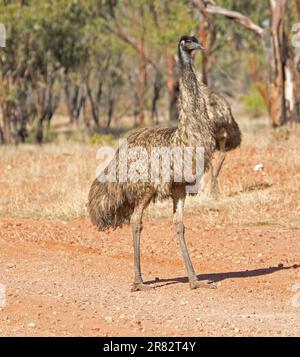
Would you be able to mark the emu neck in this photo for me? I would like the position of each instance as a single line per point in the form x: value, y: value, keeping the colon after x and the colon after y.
x: 188, y: 76
x: 189, y: 98
x: 194, y: 126
x: 186, y: 65
x: 185, y: 59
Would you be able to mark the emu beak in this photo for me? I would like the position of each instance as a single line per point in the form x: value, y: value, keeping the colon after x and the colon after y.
x: 199, y: 47
x: 196, y: 46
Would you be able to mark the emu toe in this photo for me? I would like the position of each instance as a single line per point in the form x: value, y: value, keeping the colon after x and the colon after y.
x: 141, y: 287
x: 196, y: 284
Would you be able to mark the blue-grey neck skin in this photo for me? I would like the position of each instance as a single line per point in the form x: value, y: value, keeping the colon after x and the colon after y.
x: 185, y: 58
x: 188, y: 76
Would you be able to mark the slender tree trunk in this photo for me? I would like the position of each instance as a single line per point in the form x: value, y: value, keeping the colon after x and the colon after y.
x: 207, y: 36
x: 292, y: 76
x: 7, y: 130
x: 172, y: 83
x: 157, y: 86
x: 86, y: 116
x: 204, y: 41
x: 277, y: 81
x: 47, y: 103
x: 142, y: 67
x: 110, y: 111
x: 94, y: 100
x: 142, y: 83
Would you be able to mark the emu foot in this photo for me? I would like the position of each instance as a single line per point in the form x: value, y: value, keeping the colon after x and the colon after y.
x: 197, y: 284
x: 141, y: 287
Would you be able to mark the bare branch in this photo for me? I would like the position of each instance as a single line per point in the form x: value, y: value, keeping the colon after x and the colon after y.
x: 235, y: 16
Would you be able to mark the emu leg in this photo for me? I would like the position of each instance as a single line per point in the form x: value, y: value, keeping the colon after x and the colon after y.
x: 214, y: 175
x: 137, y: 226
x: 178, y: 208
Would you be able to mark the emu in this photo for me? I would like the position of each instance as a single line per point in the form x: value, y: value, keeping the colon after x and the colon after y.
x: 226, y: 132
x: 110, y: 204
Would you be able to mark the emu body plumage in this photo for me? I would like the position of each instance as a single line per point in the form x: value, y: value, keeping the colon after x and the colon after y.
x: 226, y: 130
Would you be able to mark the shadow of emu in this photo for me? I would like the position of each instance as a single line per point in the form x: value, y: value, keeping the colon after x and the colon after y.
x: 216, y: 277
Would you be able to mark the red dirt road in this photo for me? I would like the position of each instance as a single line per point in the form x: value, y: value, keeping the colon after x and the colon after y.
x: 65, y: 278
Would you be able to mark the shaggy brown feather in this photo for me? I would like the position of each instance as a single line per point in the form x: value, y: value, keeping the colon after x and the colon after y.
x: 219, y: 111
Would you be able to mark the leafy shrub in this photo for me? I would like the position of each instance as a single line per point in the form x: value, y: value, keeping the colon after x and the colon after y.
x: 101, y: 139
x: 254, y: 103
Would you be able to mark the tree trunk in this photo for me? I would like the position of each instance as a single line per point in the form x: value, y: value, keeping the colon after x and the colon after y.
x: 277, y: 105
x: 39, y: 131
x: 86, y: 116
x: 7, y: 119
x: 293, y: 75
x: 75, y: 95
x: 110, y: 111
x: 95, y: 101
x: 207, y: 36
x: 172, y: 83
x: 142, y: 83
x: 284, y: 72
x: 204, y: 41
x: 157, y: 86
x: 284, y: 98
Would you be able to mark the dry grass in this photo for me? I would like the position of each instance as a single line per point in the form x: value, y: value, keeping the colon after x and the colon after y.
x: 52, y: 182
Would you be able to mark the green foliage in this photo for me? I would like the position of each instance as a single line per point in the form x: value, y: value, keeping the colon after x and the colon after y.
x: 254, y: 102
x: 95, y: 44
x: 101, y: 139
x: 50, y: 135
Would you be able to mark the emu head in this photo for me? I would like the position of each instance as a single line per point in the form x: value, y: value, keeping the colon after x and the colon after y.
x: 189, y: 43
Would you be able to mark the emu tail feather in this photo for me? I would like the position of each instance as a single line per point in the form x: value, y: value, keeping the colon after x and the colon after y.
x: 234, y: 134
x: 108, y: 205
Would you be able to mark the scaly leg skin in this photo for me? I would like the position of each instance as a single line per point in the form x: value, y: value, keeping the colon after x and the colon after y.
x: 212, y: 192
x: 178, y: 207
x: 136, y: 225
x: 215, y: 175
